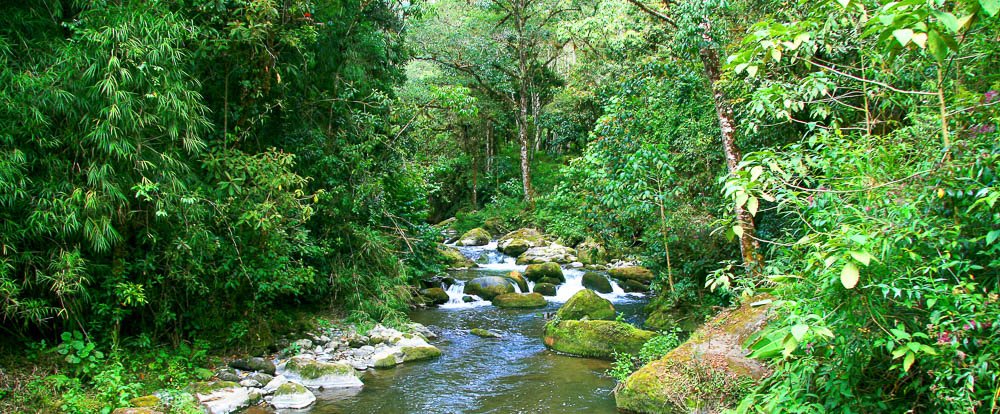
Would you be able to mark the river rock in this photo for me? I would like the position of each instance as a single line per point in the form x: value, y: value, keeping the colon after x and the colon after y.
x: 597, y: 282
x: 316, y: 374
x: 434, y: 296
x: 482, y: 333
x: 249, y: 383
x: 546, y: 289
x: 422, y: 330
x: 224, y: 397
x: 586, y: 304
x: 468, y: 299
x: 136, y: 410
x: 255, y: 364
x: 536, y: 272
x: 520, y: 300
x: 551, y: 253
x: 260, y: 377
x: 145, y: 401
x: 273, y: 385
x: 292, y: 395
x: 453, y: 258
x: 518, y: 279
x: 590, y: 252
x: 519, y: 241
x: 638, y: 274
x: 488, y: 287
x: 594, y: 339
x: 633, y: 286
x: 227, y: 374
x: 675, y: 382
x: 474, y: 237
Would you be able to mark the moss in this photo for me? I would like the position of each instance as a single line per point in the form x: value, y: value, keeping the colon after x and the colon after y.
x: 546, y: 289
x: 145, y: 401
x: 520, y: 300
x: 388, y: 361
x: 518, y: 278
x: 586, y: 304
x: 637, y: 273
x: 488, y: 287
x: 482, y: 333
x: 436, y: 296
x: 516, y: 247
x: 205, y: 388
x: 537, y: 272
x: 596, y: 339
x: 597, y: 282
x: 454, y: 258
x: 290, y: 388
x: 475, y: 237
x: 417, y: 353
x: 310, y: 369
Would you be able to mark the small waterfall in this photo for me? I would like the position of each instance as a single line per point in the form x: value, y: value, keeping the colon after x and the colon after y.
x: 456, y: 293
x: 574, y: 284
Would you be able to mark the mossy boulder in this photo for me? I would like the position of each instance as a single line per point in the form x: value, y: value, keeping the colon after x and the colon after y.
x: 586, y: 304
x: 206, y: 388
x: 291, y: 395
x: 434, y: 296
x: 520, y: 300
x: 145, y: 401
x: 482, y: 333
x: 536, y: 272
x: 706, y: 373
x: 637, y: 273
x: 453, y: 258
x: 551, y: 253
x: 633, y: 286
x: 318, y: 374
x: 590, y: 252
x: 474, y: 237
x: 518, y: 278
x: 488, y: 287
x: 597, y: 282
x: 594, y: 339
x: 546, y: 289
x: 519, y: 241
x: 419, y: 353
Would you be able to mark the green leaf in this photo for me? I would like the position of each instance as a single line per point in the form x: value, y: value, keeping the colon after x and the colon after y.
x: 991, y: 6
x: 862, y: 257
x: 756, y: 172
x: 992, y: 237
x: 903, y: 36
x: 752, y: 205
x: 752, y: 70
x: 849, y: 275
x: 937, y: 46
x: 799, y: 331
x: 947, y: 19
x: 738, y: 230
x: 908, y: 361
x: 920, y: 39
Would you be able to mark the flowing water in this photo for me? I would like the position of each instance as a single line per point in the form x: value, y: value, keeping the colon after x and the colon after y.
x: 513, y: 374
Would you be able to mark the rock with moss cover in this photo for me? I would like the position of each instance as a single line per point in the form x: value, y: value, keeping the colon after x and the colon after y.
x: 551, y: 253
x: 537, y: 272
x: 520, y: 301
x: 637, y: 273
x: 454, y: 258
x: 597, y: 282
x: 586, y: 304
x: 434, y: 296
x: 590, y: 252
x: 420, y: 353
x: 594, y: 339
x: 633, y: 286
x: 145, y: 401
x: 224, y: 397
x: 706, y: 372
x: 482, y: 333
x: 546, y: 289
x: 474, y: 237
x: 519, y: 241
x: 519, y: 280
x: 488, y: 287
x: 318, y: 374
x: 291, y: 395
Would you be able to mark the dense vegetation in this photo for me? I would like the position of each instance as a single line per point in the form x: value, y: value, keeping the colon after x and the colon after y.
x: 180, y: 172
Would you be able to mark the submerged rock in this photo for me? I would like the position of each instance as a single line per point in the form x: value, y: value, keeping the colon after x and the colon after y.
x: 546, y: 289
x: 551, y: 253
x: 520, y: 300
x: 519, y: 241
x: 597, y: 282
x: 474, y: 237
x: 594, y: 339
x: 488, y: 287
x: 434, y: 296
x: 537, y: 272
x: 317, y: 374
x: 704, y: 373
x: 586, y: 304
x: 292, y: 395
x: 482, y: 333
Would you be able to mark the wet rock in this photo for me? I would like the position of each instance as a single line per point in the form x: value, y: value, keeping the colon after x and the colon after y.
x: 434, y: 296
x: 488, y: 287
x: 227, y: 374
x: 482, y: 333
x: 597, y: 282
x: 711, y: 364
x: 468, y: 299
x: 586, y: 304
x: 454, y: 258
x: 315, y: 374
x: 422, y: 330
x: 292, y: 395
x: 474, y: 237
x: 515, y: 247
x: 637, y: 273
x: 536, y: 272
x: 520, y: 301
x: 546, y: 289
x: 519, y: 241
x: 551, y: 253
x: 594, y: 338
x: 518, y: 278
x: 255, y: 364
x: 633, y: 286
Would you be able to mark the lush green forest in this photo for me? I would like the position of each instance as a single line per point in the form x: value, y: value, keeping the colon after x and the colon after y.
x: 186, y: 180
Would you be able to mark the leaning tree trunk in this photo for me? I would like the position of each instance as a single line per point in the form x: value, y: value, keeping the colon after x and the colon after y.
x: 710, y: 60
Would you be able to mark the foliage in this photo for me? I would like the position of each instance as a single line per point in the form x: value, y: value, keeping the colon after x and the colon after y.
x: 625, y: 364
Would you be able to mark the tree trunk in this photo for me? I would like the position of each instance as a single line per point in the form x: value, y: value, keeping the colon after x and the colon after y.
x: 710, y: 60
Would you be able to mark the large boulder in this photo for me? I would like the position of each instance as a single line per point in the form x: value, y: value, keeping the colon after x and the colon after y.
x: 519, y: 241
x: 590, y: 252
x: 224, y: 397
x: 474, y: 237
x: 704, y: 373
x: 255, y: 364
x: 597, y: 282
x: 292, y: 395
x: 520, y: 300
x: 434, y: 296
x: 551, y: 253
x: 518, y: 278
x: 317, y: 374
x: 586, y: 304
x: 637, y: 273
x: 453, y: 258
x: 488, y: 287
x: 537, y: 272
x: 594, y: 339
x: 546, y: 289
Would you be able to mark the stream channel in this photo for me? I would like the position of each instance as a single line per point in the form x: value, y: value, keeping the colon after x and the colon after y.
x: 512, y: 375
